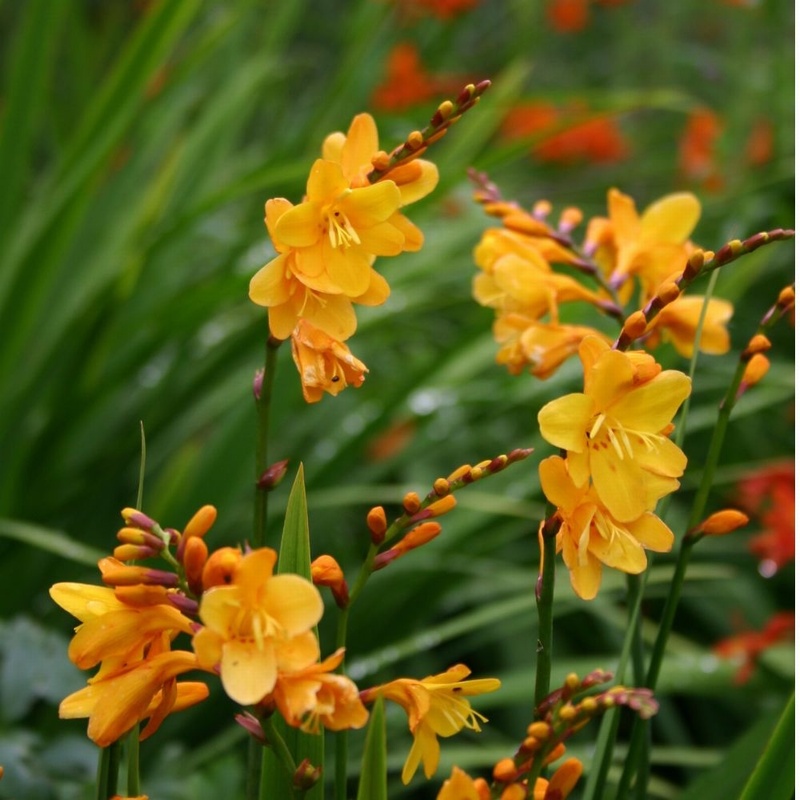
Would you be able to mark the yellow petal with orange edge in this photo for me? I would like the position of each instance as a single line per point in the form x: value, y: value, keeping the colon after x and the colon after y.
x: 671, y: 218
x: 563, y: 422
x: 293, y: 602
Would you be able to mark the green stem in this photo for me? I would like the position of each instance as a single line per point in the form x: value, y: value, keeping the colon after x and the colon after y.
x: 544, y: 607
x: 278, y: 745
x: 108, y: 771
x: 133, y: 783
x: 263, y: 403
x: 252, y: 778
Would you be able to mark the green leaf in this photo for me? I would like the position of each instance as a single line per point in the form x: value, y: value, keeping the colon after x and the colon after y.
x: 51, y: 541
x: 294, y: 557
x: 774, y: 774
x: 372, y: 785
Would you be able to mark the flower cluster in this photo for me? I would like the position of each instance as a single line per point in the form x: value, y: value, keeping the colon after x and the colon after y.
x: 619, y: 461
x: 625, y: 255
x: 251, y: 628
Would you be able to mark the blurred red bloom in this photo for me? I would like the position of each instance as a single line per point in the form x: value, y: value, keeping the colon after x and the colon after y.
x: 567, y: 135
x: 697, y: 159
x: 568, y: 16
x: 748, y: 645
x: 443, y: 9
x: 760, y: 143
x: 768, y: 495
x: 407, y: 83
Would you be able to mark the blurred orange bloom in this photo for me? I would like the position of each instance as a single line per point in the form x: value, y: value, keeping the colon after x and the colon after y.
x: 443, y: 9
x: 761, y: 142
x: 697, y: 149
x: 568, y: 16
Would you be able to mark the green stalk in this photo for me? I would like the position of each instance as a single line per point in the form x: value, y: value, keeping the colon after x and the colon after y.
x: 278, y: 745
x: 263, y: 403
x: 544, y: 607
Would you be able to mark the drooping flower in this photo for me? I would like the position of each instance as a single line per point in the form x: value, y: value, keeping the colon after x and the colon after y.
x: 314, y: 695
x: 324, y: 363
x: 590, y: 536
x: 436, y: 706
x: 678, y: 322
x: 614, y: 432
x: 256, y: 625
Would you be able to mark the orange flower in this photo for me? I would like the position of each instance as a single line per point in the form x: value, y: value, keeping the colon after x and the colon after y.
x: 598, y: 140
x: 677, y: 323
x: 315, y: 695
x: 568, y: 16
x: 256, y: 626
x: 324, y: 364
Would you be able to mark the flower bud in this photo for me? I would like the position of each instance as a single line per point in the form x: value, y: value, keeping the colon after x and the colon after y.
x: 411, y: 503
x: 115, y: 573
x: 195, y: 555
x: 220, y: 566
x: 306, y: 775
x: 325, y: 571
x: 722, y: 522
x: 376, y: 522
x: 273, y: 475
x: 505, y: 770
x: 138, y: 519
x: 436, y: 509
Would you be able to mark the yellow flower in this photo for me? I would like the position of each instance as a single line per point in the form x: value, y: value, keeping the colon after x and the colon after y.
x: 678, y: 322
x: 590, y: 536
x: 653, y: 245
x: 255, y: 626
x: 110, y: 627
x: 436, y: 706
x: 315, y: 694
x: 127, y: 690
x: 614, y: 432
x: 324, y: 363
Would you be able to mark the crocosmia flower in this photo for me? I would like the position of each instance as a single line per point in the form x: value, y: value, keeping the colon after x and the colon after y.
x: 436, y: 706
x: 256, y: 626
x: 615, y: 431
x: 590, y: 536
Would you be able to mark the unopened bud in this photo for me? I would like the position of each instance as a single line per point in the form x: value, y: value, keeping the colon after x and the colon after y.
x: 325, y: 571
x: 252, y: 726
x: 137, y: 519
x: 505, y: 770
x: 516, y: 791
x: 380, y: 161
x: 115, y: 573
x: 667, y: 292
x: 635, y: 325
x: 567, y: 713
x: 414, y: 140
x: 786, y: 297
x: 441, y: 487
x: 722, y: 522
x: 411, y: 503
x: 220, y: 566
x: 134, y: 552
x: 539, y: 730
x: 542, y: 209
x: 564, y: 779
x: 458, y: 474
x: 757, y: 367
x: 306, y: 775
x: 201, y: 522
x: 195, y: 555
x: 436, y: 509
x: 570, y: 219
x: 376, y: 522
x: 273, y: 475
x: 757, y: 344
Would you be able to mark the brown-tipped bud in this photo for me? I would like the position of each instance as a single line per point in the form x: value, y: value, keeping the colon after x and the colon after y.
x: 195, y: 555
x: 134, y: 552
x: 141, y: 595
x: 519, y: 454
x: 220, y: 566
x: 695, y: 263
x: 443, y: 113
x: 141, y: 538
x: 376, y: 522
x: 273, y: 475
x: 186, y: 605
x: 418, y: 536
x: 757, y: 367
x: 758, y: 344
x: 306, y: 775
x: 252, y: 726
x: 667, y: 292
x: 721, y: 522
x: 570, y: 219
x: 137, y: 519
x: 465, y: 95
x: 436, y: 509
x: 258, y: 382
x: 411, y: 503
x: 325, y: 571
x: 729, y: 252
x: 635, y: 325
x: 505, y: 770
x: 498, y: 463
x: 458, y: 474
x: 115, y: 573
x: 441, y: 487
x: 542, y: 209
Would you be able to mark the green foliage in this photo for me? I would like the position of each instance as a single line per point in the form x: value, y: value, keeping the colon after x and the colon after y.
x: 138, y: 143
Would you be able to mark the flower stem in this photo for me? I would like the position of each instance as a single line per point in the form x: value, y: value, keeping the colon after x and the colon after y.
x: 281, y: 751
x: 544, y: 606
x: 263, y: 403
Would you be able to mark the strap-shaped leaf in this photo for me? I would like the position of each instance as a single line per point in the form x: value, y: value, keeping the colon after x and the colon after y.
x: 372, y: 785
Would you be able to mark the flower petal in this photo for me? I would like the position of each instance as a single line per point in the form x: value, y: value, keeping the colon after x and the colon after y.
x: 563, y: 422
x: 294, y: 602
x: 248, y: 672
x: 670, y: 219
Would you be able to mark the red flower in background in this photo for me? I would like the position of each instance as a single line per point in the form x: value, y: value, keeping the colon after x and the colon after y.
x: 697, y: 149
x: 443, y: 9
x: 748, y: 645
x: 768, y: 495
x: 570, y: 16
x: 568, y: 135
x: 407, y: 83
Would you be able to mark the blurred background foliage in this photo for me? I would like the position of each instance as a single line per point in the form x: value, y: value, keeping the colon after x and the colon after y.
x: 139, y: 142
